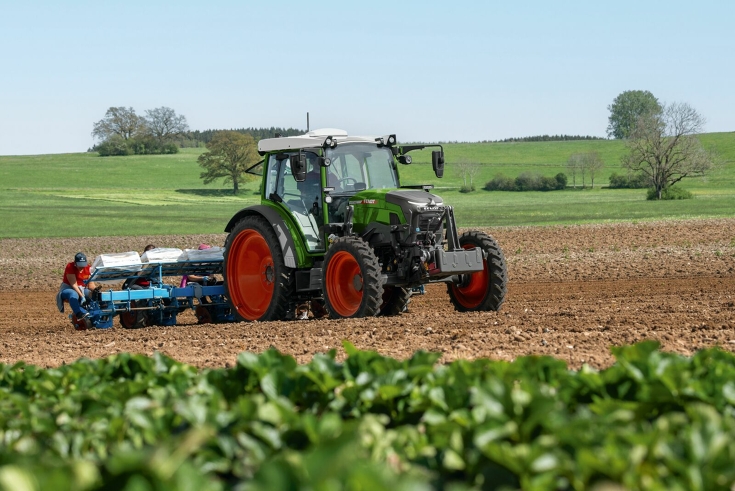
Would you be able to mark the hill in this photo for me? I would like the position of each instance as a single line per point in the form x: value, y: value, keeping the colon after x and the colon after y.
x: 77, y: 195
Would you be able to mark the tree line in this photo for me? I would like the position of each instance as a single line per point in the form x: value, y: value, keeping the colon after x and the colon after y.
x: 123, y: 132
x: 257, y: 133
x: 545, y: 138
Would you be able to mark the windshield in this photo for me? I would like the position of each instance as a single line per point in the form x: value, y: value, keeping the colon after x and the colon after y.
x: 358, y: 166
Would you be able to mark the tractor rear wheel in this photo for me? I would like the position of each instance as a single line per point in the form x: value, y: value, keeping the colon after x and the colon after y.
x: 486, y: 289
x: 351, y: 279
x: 133, y: 319
x: 395, y: 299
x: 257, y: 281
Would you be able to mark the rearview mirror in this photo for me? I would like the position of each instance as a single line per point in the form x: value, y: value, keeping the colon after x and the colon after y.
x: 437, y: 162
x: 298, y: 166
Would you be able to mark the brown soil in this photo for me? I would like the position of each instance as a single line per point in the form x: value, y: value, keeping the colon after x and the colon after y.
x: 573, y: 292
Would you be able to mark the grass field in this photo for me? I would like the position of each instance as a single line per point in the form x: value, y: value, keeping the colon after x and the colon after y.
x: 77, y: 195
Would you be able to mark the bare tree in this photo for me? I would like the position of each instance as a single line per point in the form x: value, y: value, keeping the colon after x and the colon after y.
x: 664, y: 146
x: 574, y: 164
x: 467, y: 170
x: 163, y: 123
x: 119, y: 121
x: 592, y: 162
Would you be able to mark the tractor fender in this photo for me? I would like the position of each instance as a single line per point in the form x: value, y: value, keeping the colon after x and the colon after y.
x: 279, y: 227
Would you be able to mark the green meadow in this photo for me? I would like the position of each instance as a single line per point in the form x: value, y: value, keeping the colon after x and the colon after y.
x: 78, y: 195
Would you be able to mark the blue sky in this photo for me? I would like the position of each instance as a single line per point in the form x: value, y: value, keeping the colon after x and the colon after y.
x: 425, y: 70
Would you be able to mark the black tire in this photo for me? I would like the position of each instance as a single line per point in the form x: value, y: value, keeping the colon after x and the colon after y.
x: 484, y: 290
x: 262, y: 294
x: 134, y: 319
x: 351, y: 281
x: 395, y: 299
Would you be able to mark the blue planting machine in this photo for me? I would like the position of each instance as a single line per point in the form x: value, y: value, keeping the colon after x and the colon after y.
x: 145, y: 299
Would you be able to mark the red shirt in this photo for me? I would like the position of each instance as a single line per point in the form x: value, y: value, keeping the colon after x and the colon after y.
x: 82, y: 276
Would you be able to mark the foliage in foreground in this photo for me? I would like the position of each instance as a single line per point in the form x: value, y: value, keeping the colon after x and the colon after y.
x: 651, y: 421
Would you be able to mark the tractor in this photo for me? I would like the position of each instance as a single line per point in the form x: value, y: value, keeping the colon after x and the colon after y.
x: 336, y: 230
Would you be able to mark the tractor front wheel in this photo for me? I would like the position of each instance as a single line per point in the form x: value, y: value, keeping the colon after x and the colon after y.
x: 351, y: 279
x: 486, y: 289
x: 257, y: 281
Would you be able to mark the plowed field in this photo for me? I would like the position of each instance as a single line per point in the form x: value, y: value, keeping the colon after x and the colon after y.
x: 574, y: 291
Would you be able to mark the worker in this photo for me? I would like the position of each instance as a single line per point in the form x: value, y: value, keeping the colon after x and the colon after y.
x: 75, y: 286
x: 204, y: 280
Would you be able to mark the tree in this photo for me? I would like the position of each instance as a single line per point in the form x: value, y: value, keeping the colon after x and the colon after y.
x: 466, y: 169
x: 163, y: 123
x: 574, y: 164
x: 592, y: 162
x: 119, y: 121
x: 230, y: 154
x: 627, y: 108
x: 665, y: 148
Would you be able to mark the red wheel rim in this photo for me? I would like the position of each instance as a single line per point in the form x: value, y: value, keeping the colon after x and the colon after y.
x: 250, y: 275
x: 471, y: 295
x: 344, y: 284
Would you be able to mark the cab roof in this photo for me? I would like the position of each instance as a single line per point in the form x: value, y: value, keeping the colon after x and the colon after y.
x: 311, y: 139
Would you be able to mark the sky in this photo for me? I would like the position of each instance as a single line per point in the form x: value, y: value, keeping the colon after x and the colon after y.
x: 424, y: 70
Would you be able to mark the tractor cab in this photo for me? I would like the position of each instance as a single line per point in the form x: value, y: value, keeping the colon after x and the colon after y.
x: 315, y: 181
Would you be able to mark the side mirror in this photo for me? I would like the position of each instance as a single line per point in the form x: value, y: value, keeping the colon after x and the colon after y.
x: 437, y: 162
x: 298, y: 166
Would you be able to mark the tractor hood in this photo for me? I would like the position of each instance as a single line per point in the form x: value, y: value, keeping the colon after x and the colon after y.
x: 415, y: 200
x: 412, y: 203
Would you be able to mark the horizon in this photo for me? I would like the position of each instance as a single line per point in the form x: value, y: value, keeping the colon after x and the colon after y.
x: 473, y: 72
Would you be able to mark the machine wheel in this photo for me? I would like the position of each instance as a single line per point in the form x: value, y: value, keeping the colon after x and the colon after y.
x: 257, y: 281
x: 486, y: 289
x: 351, y: 279
x: 81, y: 324
x: 204, y: 316
x: 133, y: 319
x: 395, y: 299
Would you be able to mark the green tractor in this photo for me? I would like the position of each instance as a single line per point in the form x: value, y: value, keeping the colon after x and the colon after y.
x: 336, y: 230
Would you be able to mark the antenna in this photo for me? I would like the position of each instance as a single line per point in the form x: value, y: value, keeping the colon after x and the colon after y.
x: 307, y: 121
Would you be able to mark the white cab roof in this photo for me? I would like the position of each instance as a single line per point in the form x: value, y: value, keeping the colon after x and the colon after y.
x: 310, y: 140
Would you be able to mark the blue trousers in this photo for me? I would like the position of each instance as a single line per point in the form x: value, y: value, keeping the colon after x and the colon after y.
x: 70, y: 295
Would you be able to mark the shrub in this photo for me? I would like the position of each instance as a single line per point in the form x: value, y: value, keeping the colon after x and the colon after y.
x: 143, y: 145
x: 671, y: 192
x: 547, y: 184
x: 114, y: 146
x: 500, y: 183
x: 467, y: 188
x: 561, y: 180
x: 527, y: 181
x: 631, y: 181
x: 638, y: 181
